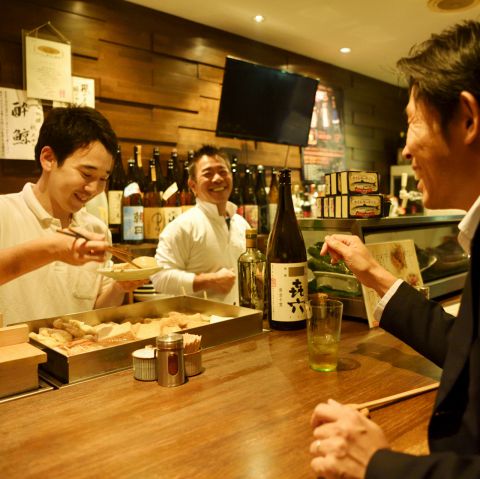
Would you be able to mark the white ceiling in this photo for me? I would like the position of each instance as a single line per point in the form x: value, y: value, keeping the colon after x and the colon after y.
x: 378, y: 31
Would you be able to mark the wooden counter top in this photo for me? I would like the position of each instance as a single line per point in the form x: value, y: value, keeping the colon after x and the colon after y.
x: 246, y: 416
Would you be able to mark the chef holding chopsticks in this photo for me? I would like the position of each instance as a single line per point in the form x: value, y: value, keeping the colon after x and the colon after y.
x: 75, y: 151
x: 443, y: 144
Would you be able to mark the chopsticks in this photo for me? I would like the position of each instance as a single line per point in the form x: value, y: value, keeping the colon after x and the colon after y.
x: 385, y: 401
x: 119, y: 253
x: 123, y: 255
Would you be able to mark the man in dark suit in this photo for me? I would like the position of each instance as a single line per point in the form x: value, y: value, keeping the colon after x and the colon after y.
x: 443, y: 144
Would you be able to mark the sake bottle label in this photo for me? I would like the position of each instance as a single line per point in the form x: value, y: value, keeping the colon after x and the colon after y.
x: 289, y: 291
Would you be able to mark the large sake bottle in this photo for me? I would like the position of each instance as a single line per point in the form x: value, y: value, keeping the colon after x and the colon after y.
x: 286, y: 264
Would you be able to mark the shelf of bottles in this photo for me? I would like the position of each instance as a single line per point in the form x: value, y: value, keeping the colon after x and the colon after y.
x: 140, y: 205
x: 143, y: 200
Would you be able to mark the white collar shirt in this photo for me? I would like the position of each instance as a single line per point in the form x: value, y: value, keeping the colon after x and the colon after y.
x: 200, y: 241
x: 57, y: 288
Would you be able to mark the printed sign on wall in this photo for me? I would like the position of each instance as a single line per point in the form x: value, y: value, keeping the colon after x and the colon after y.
x: 20, y: 121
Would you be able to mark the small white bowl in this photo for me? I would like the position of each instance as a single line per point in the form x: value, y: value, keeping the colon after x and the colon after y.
x: 144, y: 364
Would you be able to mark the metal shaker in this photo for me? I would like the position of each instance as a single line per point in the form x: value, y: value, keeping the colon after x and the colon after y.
x: 169, y: 360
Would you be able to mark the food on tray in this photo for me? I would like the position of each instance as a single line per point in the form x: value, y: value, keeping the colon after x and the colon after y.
x: 71, y: 336
x: 335, y: 279
x: 316, y: 262
x: 145, y: 262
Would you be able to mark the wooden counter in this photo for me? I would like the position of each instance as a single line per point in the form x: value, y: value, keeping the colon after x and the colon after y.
x: 246, y: 416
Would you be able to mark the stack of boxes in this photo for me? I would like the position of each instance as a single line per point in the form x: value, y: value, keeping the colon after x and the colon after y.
x: 352, y: 194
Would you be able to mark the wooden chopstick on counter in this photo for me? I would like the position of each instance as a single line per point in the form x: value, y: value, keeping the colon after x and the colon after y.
x: 385, y: 401
x: 119, y: 253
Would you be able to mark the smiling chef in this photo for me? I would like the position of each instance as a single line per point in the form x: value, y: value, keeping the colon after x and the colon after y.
x: 199, y: 250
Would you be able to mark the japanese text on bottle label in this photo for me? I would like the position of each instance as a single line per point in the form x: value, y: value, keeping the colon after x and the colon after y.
x: 289, y: 291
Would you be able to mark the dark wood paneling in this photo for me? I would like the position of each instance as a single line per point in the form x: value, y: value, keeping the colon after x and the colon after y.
x: 158, y: 80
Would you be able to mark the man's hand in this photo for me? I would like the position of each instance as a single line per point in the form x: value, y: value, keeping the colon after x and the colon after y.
x: 130, y: 286
x: 220, y: 282
x: 359, y: 261
x: 78, y: 251
x: 345, y: 441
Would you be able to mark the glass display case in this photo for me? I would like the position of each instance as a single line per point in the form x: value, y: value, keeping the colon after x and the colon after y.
x: 443, y: 263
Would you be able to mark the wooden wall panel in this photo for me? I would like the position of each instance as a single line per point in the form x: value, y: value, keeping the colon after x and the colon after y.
x: 158, y: 79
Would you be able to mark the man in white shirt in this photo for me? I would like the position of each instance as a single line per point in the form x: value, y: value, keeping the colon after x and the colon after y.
x: 75, y: 151
x: 443, y: 144
x: 199, y: 249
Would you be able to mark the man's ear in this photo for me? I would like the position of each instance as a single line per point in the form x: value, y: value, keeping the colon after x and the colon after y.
x: 193, y: 186
x: 47, y: 158
x: 470, y: 117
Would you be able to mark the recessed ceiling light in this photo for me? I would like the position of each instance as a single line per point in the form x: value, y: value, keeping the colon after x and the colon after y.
x: 259, y: 18
x: 451, y: 5
x: 345, y: 50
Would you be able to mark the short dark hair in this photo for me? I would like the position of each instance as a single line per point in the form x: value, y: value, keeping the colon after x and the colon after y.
x: 65, y: 130
x: 206, y: 150
x: 443, y: 66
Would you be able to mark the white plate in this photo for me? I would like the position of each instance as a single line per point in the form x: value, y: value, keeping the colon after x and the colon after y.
x: 129, y: 274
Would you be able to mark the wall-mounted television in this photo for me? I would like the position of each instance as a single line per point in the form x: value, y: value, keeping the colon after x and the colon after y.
x: 265, y: 104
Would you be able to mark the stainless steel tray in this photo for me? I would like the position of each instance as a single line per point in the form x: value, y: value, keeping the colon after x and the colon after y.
x: 70, y: 369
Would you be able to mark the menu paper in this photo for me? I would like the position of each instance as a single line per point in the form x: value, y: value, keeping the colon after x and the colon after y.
x: 400, y: 259
x: 48, y: 69
x: 20, y: 121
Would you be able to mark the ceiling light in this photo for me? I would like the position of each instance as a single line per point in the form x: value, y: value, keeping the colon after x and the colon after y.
x: 451, y: 5
x: 259, y: 18
x: 345, y: 50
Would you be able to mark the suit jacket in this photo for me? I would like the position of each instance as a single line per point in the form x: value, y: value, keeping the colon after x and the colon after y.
x: 453, y: 344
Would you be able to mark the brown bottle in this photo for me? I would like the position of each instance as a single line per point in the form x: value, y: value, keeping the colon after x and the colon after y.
x: 153, y: 220
x: 286, y: 264
x: 272, y: 198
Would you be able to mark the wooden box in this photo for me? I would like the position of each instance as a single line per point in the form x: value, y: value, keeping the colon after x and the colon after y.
x: 19, y: 361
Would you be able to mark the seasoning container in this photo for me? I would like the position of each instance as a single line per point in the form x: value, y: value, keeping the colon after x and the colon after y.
x: 144, y: 364
x: 169, y: 360
x: 193, y: 363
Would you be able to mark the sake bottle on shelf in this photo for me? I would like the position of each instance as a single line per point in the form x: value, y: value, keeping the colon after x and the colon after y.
x: 171, y: 196
x: 262, y: 201
x: 236, y: 196
x: 250, y: 207
x: 286, y: 264
x: 272, y: 198
x: 251, y: 274
x: 187, y: 198
x: 153, y: 220
x: 132, y: 208
x: 161, y: 180
x: 116, y: 184
x: 139, y: 173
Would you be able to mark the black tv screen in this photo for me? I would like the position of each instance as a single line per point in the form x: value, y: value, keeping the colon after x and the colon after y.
x: 265, y: 104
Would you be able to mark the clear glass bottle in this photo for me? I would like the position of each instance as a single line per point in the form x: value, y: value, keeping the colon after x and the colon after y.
x: 286, y: 264
x: 251, y: 274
